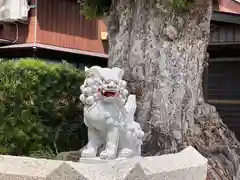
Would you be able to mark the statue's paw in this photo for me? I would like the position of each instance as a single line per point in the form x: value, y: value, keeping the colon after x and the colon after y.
x: 126, y: 152
x: 88, y: 153
x: 107, y: 155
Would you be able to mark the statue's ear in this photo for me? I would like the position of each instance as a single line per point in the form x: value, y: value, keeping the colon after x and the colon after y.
x: 120, y: 72
x: 92, y: 71
x: 86, y: 69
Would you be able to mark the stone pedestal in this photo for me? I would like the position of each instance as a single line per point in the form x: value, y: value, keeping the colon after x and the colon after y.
x: 186, y: 165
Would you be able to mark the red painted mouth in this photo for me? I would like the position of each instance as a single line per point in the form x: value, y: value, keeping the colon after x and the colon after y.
x: 109, y: 94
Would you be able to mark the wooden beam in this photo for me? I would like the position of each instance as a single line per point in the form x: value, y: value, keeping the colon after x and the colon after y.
x: 233, y: 59
x: 217, y: 101
x: 226, y: 17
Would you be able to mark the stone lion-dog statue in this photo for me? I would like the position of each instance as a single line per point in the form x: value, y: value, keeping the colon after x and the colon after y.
x: 109, y: 115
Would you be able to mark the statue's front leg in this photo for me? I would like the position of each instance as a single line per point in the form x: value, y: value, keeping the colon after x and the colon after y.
x: 94, y: 142
x: 112, y: 140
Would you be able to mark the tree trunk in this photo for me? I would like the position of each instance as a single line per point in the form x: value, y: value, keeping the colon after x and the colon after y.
x: 163, y: 53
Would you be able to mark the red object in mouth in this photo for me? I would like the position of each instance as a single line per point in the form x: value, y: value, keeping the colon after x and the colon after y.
x: 108, y: 94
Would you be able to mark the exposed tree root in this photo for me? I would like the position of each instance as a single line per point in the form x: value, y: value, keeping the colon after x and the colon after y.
x: 217, y: 143
x: 211, y: 138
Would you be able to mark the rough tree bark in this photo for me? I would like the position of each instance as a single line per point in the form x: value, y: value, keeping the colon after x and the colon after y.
x: 163, y: 53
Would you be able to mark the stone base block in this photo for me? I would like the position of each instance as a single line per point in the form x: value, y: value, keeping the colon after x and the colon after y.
x: 185, y: 165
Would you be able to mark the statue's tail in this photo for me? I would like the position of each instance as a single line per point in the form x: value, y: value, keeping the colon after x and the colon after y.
x: 130, y: 107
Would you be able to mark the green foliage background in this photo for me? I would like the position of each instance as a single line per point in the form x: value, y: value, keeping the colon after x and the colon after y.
x: 95, y: 8
x: 40, y: 111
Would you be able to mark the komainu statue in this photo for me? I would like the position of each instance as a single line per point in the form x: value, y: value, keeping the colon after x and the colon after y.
x: 109, y: 115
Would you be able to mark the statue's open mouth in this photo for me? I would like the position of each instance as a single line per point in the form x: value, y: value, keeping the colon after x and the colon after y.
x: 109, y: 93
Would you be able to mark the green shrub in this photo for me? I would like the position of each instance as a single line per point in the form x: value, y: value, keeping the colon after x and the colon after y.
x: 40, y: 111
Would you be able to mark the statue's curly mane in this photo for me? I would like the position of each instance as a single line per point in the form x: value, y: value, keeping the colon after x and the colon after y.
x: 96, y: 82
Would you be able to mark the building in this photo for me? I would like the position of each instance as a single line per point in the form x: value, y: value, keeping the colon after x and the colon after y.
x: 231, y: 6
x: 221, y: 84
x: 50, y: 29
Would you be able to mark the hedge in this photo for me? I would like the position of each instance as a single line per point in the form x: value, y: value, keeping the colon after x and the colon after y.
x: 40, y: 111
